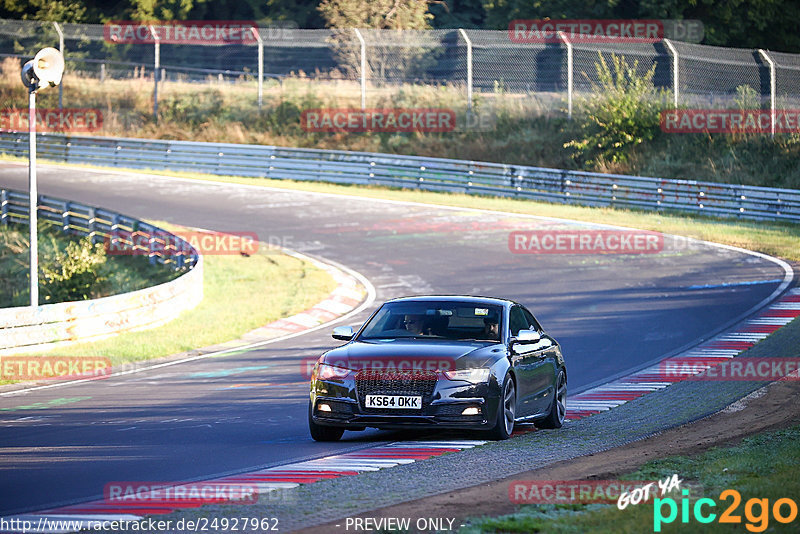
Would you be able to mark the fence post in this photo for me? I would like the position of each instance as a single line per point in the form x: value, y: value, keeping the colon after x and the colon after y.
x: 156, y: 70
x: 363, y: 69
x: 771, y: 89
x: 60, y: 49
x: 260, y: 66
x: 675, y: 79
x: 469, y: 68
x: 564, y: 39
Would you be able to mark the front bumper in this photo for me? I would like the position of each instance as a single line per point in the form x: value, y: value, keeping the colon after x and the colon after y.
x: 443, y: 408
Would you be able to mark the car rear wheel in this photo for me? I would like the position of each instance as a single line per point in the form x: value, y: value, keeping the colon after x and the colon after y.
x: 506, y: 411
x: 321, y: 432
x: 558, y: 411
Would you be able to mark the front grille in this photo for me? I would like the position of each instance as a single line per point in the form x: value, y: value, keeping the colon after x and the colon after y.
x: 412, y: 382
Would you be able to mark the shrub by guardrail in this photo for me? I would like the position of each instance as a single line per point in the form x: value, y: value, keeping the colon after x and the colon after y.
x: 26, y: 328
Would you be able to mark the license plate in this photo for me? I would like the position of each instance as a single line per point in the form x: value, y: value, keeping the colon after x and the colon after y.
x: 397, y: 402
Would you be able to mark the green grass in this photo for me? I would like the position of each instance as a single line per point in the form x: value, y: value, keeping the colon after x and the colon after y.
x: 760, y: 467
x: 240, y: 294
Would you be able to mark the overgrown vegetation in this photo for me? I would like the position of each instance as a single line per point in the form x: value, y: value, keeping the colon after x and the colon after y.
x: 70, y: 268
x: 513, y: 128
x: 622, y: 112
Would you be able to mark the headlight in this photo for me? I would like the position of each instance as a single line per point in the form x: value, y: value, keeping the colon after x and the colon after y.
x: 323, y: 371
x: 469, y: 375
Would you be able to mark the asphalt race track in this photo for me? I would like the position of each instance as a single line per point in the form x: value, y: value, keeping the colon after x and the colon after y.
x: 611, y: 313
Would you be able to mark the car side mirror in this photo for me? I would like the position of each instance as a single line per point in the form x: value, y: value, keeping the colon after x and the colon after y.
x: 525, y: 337
x: 528, y: 336
x: 343, y: 333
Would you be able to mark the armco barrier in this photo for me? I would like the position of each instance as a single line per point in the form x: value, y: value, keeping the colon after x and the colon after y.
x: 551, y: 185
x: 26, y: 328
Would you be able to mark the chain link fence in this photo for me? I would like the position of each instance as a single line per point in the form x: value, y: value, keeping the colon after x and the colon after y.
x: 475, y: 63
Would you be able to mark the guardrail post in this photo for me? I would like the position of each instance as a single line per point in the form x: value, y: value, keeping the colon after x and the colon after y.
x: 65, y: 217
x: 771, y: 89
x: 570, y: 80
x: 363, y: 69
x: 257, y: 35
x: 92, y: 224
x: 469, y: 68
x: 3, y: 207
x: 675, y: 79
x: 60, y: 49
x: 156, y: 70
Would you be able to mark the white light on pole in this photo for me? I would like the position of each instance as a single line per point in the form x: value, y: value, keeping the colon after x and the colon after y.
x: 44, y: 70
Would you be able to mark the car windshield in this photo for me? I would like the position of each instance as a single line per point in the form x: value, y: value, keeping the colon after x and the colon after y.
x: 435, y: 320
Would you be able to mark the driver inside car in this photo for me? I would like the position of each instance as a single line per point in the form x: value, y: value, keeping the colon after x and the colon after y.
x: 491, y: 329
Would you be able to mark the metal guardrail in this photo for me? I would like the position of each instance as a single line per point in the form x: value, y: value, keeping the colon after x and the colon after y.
x: 458, y: 176
x: 126, y: 235
x: 25, y: 328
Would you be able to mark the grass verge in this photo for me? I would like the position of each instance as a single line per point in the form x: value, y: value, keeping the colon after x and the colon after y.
x: 240, y: 293
x: 760, y: 467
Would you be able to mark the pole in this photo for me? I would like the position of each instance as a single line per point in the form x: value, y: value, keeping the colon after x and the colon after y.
x: 771, y: 88
x: 33, y: 199
x: 469, y: 68
x: 156, y: 71
x: 563, y: 37
x: 675, y: 84
x: 60, y: 49
x: 363, y: 69
x: 260, y: 66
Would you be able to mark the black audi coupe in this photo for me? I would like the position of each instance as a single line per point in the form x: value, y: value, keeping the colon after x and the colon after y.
x: 453, y: 362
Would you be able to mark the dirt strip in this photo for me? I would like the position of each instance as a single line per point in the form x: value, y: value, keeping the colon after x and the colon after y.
x: 772, y: 407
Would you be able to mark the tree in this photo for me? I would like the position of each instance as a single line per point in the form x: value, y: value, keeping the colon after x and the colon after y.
x: 376, y: 14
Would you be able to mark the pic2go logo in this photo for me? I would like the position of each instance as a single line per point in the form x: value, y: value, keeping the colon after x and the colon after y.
x: 756, y: 511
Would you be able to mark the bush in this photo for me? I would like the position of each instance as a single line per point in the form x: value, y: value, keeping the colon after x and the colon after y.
x: 622, y: 113
x: 69, y: 269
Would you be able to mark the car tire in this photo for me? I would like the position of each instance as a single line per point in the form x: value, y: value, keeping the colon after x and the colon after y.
x: 506, y: 411
x: 558, y: 410
x: 322, y: 432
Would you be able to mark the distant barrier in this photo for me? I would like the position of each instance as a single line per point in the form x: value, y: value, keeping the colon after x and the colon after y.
x: 435, y: 174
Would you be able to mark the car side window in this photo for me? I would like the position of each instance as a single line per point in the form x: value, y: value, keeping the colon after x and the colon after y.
x: 532, y: 322
x: 517, y: 321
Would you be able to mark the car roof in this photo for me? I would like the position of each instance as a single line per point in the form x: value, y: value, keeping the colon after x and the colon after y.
x: 467, y: 299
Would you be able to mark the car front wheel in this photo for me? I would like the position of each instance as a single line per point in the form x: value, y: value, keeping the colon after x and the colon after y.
x: 558, y: 411
x: 506, y: 411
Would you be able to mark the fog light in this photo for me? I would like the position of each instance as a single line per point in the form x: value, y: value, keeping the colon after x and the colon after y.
x: 472, y: 410
x: 322, y: 407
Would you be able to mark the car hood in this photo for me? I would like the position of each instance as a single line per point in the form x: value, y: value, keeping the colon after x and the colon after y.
x: 414, y: 354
